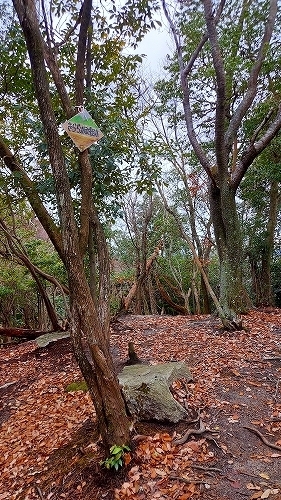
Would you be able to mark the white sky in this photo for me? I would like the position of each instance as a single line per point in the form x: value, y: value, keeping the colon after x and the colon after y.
x: 156, y: 45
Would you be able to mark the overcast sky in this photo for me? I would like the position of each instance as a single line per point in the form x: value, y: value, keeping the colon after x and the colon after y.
x: 156, y: 45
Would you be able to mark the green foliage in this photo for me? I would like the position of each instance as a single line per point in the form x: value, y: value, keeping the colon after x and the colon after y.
x: 116, y: 458
x: 113, y: 99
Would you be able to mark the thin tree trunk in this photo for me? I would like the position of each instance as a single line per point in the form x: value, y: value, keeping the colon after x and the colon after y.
x: 166, y: 297
x: 261, y: 270
x: 136, y: 285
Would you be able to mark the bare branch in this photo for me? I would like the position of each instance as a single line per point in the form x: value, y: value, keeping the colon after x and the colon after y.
x: 221, y: 154
x: 184, y: 71
x: 32, y: 196
x: 255, y: 149
x: 243, y: 107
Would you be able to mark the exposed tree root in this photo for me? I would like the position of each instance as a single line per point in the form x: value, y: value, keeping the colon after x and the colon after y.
x: 190, y: 432
x: 206, y: 469
x: 233, y: 324
x: 264, y: 440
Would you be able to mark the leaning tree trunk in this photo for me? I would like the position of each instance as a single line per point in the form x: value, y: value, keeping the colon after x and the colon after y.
x: 97, y: 368
x: 139, y: 282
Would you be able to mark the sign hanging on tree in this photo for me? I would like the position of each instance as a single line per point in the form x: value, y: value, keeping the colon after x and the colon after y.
x: 82, y: 129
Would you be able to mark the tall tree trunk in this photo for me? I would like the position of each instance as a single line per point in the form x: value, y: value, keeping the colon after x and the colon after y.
x: 226, y: 177
x: 233, y: 297
x: 87, y: 320
x: 99, y: 373
x: 137, y: 285
x: 261, y: 264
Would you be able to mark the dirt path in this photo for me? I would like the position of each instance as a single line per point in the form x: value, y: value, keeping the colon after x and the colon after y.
x: 48, y: 437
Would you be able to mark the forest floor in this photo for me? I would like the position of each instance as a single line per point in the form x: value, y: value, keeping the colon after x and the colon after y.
x: 49, y: 444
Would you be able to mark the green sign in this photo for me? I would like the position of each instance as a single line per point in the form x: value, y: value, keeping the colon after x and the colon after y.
x: 82, y: 129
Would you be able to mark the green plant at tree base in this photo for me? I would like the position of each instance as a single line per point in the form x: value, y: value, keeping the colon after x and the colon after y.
x: 115, y: 460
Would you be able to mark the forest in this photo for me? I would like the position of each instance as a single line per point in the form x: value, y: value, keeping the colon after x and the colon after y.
x: 140, y: 198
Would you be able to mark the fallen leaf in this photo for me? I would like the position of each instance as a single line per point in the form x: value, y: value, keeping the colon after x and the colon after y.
x: 235, y: 484
x: 160, y: 472
x: 251, y: 486
x: 266, y: 493
x: 264, y: 475
x: 194, y: 446
x: 256, y: 495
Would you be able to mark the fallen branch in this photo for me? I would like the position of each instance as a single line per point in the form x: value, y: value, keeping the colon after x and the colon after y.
x: 264, y: 440
x: 39, y: 492
x: 27, y: 333
x: 215, y: 443
x: 273, y: 358
x: 255, y: 360
x: 247, y: 474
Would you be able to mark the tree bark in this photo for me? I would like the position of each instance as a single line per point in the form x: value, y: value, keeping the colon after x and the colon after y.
x: 166, y: 297
x: 86, y: 320
x: 136, y: 285
x: 26, y: 333
x: 261, y: 262
x: 225, y: 177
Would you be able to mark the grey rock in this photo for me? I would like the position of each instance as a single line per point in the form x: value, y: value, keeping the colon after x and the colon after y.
x: 146, y: 390
x: 45, y: 340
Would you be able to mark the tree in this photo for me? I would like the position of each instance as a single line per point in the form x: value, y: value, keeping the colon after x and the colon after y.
x: 14, y: 248
x: 260, y: 192
x: 226, y: 52
x: 89, y: 309
x: 183, y: 179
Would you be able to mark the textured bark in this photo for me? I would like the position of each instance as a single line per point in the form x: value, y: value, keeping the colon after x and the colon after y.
x: 261, y: 263
x: 25, y: 333
x: 86, y: 320
x: 226, y: 175
x: 137, y: 284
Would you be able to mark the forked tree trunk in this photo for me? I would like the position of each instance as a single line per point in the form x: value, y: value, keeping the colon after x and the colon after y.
x: 226, y: 175
x: 88, y: 317
x: 138, y: 283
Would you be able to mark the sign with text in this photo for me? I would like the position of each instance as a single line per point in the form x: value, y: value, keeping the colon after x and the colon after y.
x: 82, y: 129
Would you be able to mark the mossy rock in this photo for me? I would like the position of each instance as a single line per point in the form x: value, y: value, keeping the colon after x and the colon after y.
x: 146, y: 390
x: 80, y: 385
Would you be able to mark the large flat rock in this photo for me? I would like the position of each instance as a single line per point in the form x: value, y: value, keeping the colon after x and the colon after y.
x: 146, y: 390
x: 48, y: 338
